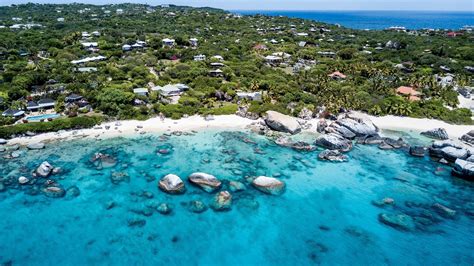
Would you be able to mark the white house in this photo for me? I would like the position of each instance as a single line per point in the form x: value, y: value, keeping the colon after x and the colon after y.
x: 199, y: 57
x: 85, y: 34
x: 168, y: 42
x: 96, y: 33
x: 193, y: 42
x: 141, y: 91
x: 272, y: 59
x: 119, y: 11
x: 170, y: 89
x: 218, y: 57
x: 60, y: 19
x: 90, y: 44
x: 89, y: 59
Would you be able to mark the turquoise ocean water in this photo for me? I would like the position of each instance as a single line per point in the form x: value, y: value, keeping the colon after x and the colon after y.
x: 377, y: 20
x: 325, y: 216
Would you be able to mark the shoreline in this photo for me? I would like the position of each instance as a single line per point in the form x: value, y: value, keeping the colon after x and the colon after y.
x: 130, y: 128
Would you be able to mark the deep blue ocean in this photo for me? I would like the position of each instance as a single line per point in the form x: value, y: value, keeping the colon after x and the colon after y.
x: 326, y: 216
x: 376, y: 20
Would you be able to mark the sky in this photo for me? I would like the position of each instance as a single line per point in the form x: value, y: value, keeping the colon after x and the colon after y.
x: 439, y: 5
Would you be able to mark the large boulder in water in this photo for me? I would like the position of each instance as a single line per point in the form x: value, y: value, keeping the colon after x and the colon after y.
x: 171, y: 184
x: 269, y: 185
x: 334, y: 141
x: 464, y: 169
x: 35, y: 146
x: 398, y: 221
x: 3, y: 141
x: 44, y: 170
x: 468, y: 137
x: 333, y: 156
x: 207, y: 182
x: 452, y: 153
x: 281, y: 122
x: 418, y: 151
x: 436, y: 133
x: 222, y: 201
x: 343, y: 131
x: 360, y: 127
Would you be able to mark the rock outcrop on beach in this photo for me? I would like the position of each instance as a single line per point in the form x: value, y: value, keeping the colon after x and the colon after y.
x: 305, y: 114
x: 464, y: 169
x: 172, y: 184
x: 436, y: 133
x: 269, y: 185
x: 360, y: 127
x: 333, y: 141
x: 448, y: 150
x: 281, y: 122
x: 44, y: 170
x: 207, y: 182
x: 468, y: 137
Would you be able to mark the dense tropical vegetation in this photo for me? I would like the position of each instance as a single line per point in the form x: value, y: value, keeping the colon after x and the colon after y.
x: 375, y: 63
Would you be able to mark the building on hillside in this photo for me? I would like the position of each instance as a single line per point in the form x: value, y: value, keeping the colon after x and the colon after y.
x: 46, y: 103
x: 168, y: 42
x: 337, y: 75
x: 141, y: 91
x: 193, y: 42
x: 412, y: 94
x: 171, y: 89
x: 200, y: 57
x: 216, y: 73
x: 13, y: 113
x: 273, y: 60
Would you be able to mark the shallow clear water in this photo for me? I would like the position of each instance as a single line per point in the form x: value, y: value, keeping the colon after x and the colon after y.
x: 378, y: 20
x: 325, y: 216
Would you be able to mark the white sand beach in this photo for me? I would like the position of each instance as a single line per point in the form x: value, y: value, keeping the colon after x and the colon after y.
x: 416, y: 125
x: 129, y: 128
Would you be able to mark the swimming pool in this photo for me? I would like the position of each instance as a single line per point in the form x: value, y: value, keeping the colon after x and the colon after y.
x: 39, y: 117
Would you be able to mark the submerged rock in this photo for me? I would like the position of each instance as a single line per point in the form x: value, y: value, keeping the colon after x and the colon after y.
x: 101, y: 160
x: 222, y: 201
x: 269, y: 185
x: 298, y: 145
x: 118, y: 177
x: 281, y: 122
x: 436, y: 133
x: 207, y: 182
x: 333, y: 156
x: 164, y: 208
x: 54, y: 192
x: 444, y: 211
x: 236, y: 186
x: 44, y: 170
x: 136, y: 222
x: 73, y: 192
x: 464, y: 169
x: 197, y: 206
x: 398, y: 221
x: 172, y: 184
x: 35, y: 146
x: 334, y: 141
